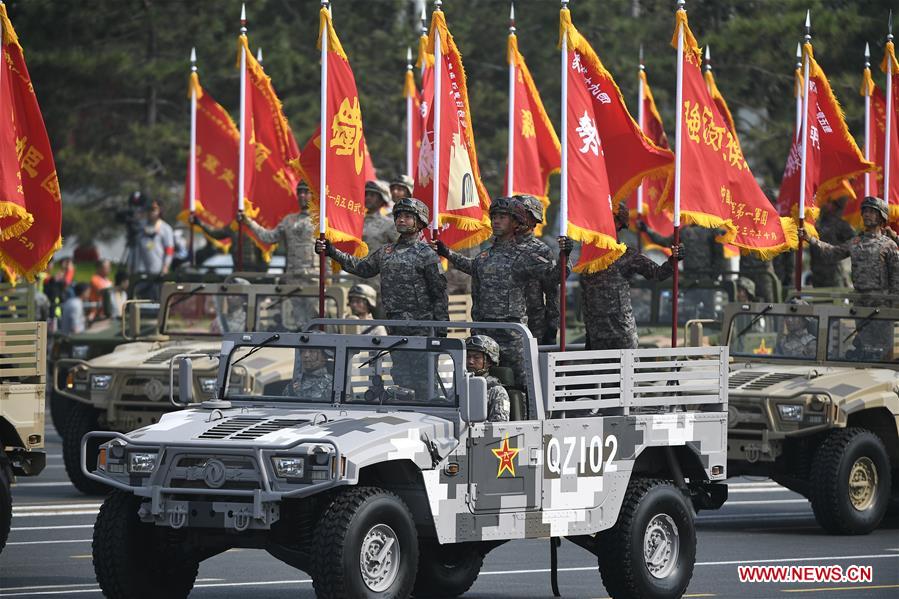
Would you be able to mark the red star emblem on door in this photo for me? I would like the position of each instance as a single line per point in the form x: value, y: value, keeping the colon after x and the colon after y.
x: 505, y: 455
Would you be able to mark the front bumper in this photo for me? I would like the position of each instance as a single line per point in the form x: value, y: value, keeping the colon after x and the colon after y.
x: 27, y: 463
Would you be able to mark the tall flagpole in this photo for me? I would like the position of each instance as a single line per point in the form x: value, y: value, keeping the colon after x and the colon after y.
x: 804, y: 172
x: 678, y: 132
x: 438, y: 60
x: 192, y: 170
x: 889, y: 119
x: 323, y: 167
x: 799, y: 92
x: 510, y: 175
x: 409, y: 116
x: 424, y: 32
x: 241, y: 169
x: 868, y: 118
x: 563, y: 192
x: 641, y: 120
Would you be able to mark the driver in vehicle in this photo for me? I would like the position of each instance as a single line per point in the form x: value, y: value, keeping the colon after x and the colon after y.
x: 313, y: 377
x: 797, y: 342
x: 482, y: 352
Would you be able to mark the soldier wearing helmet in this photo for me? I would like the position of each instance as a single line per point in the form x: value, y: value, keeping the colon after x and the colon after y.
x: 745, y: 290
x: 796, y: 341
x: 401, y: 187
x: 499, y: 275
x: 873, y: 254
x: 412, y: 282
x: 362, y: 300
x: 608, y: 314
x: 482, y: 352
x: 378, y: 228
x: 313, y: 373
x: 833, y: 229
x: 541, y: 297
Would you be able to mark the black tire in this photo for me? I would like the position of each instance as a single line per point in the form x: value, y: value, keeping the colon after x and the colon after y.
x: 354, y: 516
x: 622, y: 565
x: 60, y: 407
x: 446, y: 570
x: 5, y: 503
x: 131, y: 560
x: 845, y: 454
x: 82, y: 420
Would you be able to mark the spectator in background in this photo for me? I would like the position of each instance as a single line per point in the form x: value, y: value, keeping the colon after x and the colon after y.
x: 99, y: 283
x: 73, y: 319
x: 156, y: 244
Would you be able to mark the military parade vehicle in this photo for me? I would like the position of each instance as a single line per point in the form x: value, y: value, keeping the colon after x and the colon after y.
x: 814, y: 404
x: 370, y: 465
x: 23, y: 347
x: 128, y: 388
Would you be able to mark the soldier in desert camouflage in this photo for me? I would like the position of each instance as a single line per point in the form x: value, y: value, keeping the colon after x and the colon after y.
x: 378, y: 228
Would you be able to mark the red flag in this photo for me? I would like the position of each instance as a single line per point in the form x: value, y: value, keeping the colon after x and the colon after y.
x: 717, y: 187
x: 874, y: 138
x: 249, y: 143
x: 217, y: 143
x: 891, y: 195
x: 608, y: 154
x: 30, y: 250
x: 463, y: 200
x: 422, y: 101
x: 536, y: 147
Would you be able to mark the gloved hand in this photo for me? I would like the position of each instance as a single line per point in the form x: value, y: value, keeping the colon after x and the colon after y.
x: 192, y: 219
x: 641, y: 226
x: 549, y: 336
x: 241, y: 217
x: 566, y: 245
x: 803, y: 235
x: 323, y: 246
x: 440, y: 247
x: 678, y: 252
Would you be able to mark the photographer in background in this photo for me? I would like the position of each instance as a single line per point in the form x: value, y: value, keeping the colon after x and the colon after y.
x: 153, y: 249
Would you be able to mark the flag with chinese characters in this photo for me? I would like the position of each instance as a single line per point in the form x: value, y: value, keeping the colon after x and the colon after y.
x: 874, y: 138
x: 831, y: 152
x: 717, y: 187
x: 217, y: 142
x: 608, y: 154
x: 347, y: 155
x: 656, y: 187
x: 463, y: 200
x: 536, y: 147
x: 28, y: 252
x: 422, y: 101
x: 273, y: 194
x: 891, y: 195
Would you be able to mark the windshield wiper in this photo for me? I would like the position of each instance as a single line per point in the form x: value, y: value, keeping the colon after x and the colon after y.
x: 187, y: 296
x: 386, y: 350
x: 256, y: 348
x: 281, y: 299
x: 758, y: 316
x: 864, y: 322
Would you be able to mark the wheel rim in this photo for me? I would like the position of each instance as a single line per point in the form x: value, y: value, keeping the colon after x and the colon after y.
x: 661, y: 546
x: 862, y: 484
x: 379, y: 558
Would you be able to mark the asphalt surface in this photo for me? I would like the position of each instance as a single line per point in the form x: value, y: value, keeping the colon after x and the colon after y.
x: 49, y: 551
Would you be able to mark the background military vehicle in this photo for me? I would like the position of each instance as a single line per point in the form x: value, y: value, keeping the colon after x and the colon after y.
x: 23, y: 383
x: 373, y: 469
x: 129, y: 387
x: 817, y: 409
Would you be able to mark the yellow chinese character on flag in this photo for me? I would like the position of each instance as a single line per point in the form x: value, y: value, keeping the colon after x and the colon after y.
x: 527, y: 124
x: 346, y: 132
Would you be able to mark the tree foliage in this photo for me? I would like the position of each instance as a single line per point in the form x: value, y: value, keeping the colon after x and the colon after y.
x: 111, y: 75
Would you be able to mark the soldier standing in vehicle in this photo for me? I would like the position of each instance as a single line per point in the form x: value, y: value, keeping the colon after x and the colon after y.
x: 295, y: 233
x: 414, y: 287
x: 498, y: 278
x: 482, y: 352
x: 706, y: 258
x: 378, y: 228
x: 835, y: 231
x: 541, y: 297
x: 252, y: 259
x: 401, y: 187
x: 608, y: 314
x: 362, y: 300
x: 873, y: 253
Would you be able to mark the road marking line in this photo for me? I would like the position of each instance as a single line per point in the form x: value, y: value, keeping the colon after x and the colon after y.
x: 50, y: 542
x: 59, y: 513
x: 760, y: 490
x: 93, y: 586
x: 53, y: 484
x: 61, y: 527
x: 85, y: 556
x: 798, y: 559
x: 864, y: 588
x: 712, y: 517
x: 53, y: 506
x: 764, y: 501
x: 758, y: 483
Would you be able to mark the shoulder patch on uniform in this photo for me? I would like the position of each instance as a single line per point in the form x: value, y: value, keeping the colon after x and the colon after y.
x: 542, y: 259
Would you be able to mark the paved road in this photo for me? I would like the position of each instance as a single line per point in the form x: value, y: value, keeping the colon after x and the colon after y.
x: 49, y: 552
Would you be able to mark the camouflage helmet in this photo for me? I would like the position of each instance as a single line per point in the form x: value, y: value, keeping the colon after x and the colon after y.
x: 302, y: 185
x: 527, y: 204
x: 503, y: 206
x: 328, y: 351
x: 366, y: 292
x: 876, y: 204
x: 747, y: 284
x: 378, y: 188
x: 485, y: 345
x: 404, y: 181
x: 413, y: 206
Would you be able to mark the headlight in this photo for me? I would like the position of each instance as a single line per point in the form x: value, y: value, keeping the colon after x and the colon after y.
x: 141, y: 463
x: 207, y: 384
x: 100, y: 381
x: 289, y: 467
x: 790, y: 412
x: 79, y: 352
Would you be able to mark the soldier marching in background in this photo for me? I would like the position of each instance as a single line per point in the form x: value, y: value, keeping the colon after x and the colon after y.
x: 362, y: 300
x: 378, y: 229
x: 401, y: 187
x: 541, y: 297
x: 834, y: 230
x: 706, y: 257
x: 482, y: 352
x: 608, y: 314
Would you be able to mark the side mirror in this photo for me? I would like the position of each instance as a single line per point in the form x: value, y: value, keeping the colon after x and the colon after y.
x: 694, y: 334
x: 474, y: 409
x: 185, y: 383
x: 131, y: 320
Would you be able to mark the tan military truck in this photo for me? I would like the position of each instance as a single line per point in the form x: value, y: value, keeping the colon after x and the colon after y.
x: 23, y: 380
x: 814, y: 405
x: 130, y: 387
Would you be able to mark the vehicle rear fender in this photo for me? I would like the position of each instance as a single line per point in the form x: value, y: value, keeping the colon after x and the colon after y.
x: 653, y: 462
x: 9, y: 436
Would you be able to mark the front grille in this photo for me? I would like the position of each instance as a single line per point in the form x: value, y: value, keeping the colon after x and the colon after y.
x: 230, y: 426
x: 770, y: 379
x: 191, y: 473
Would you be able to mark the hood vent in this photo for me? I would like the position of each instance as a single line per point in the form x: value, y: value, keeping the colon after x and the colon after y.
x: 245, y: 428
x: 742, y: 377
x: 265, y: 428
x: 229, y: 427
x: 770, y: 379
x: 164, y: 356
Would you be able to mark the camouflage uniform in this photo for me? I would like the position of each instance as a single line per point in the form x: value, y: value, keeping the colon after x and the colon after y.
x: 608, y: 314
x: 378, y: 231
x: 875, y: 263
x: 761, y: 273
x: 317, y: 385
x: 497, y: 400
x: 296, y: 234
x: 829, y: 272
x: 704, y: 256
x: 800, y: 344
x: 541, y: 296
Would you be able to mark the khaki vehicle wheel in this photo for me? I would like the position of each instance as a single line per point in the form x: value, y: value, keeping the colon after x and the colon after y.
x: 366, y: 547
x: 130, y: 560
x: 651, y: 550
x: 850, y: 482
x: 5, y: 504
x: 446, y: 570
x: 82, y: 420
